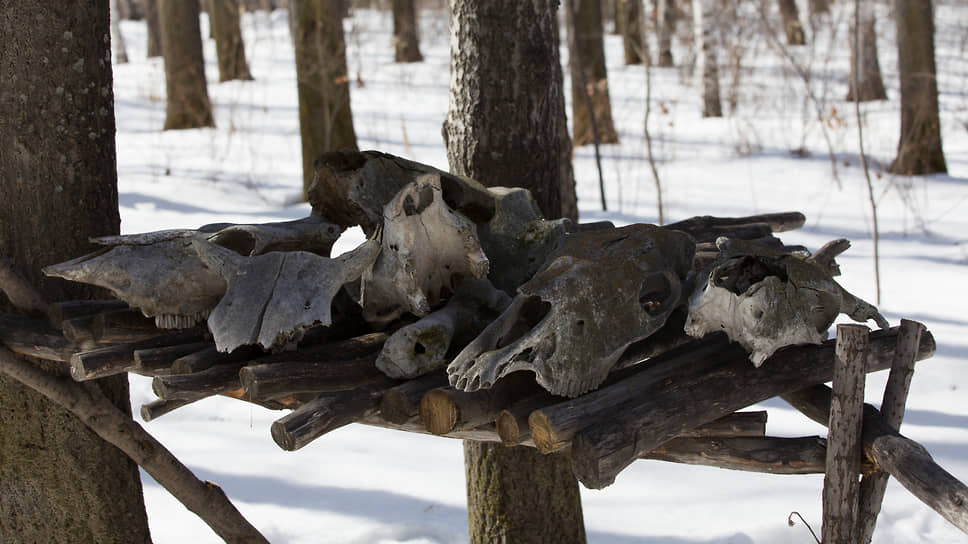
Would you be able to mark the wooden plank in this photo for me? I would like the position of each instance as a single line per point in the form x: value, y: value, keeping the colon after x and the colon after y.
x: 874, y: 484
x: 841, y: 488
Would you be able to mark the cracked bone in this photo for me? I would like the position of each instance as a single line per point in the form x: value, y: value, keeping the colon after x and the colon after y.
x: 422, y: 347
x: 272, y: 298
x: 600, y: 291
x: 765, y: 299
x: 427, y: 249
x: 161, y: 274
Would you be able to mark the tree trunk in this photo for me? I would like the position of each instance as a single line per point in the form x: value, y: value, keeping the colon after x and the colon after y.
x: 666, y: 29
x: 706, y: 18
x: 405, y: 37
x: 589, y: 80
x: 630, y: 15
x: 59, y: 482
x: 509, y: 499
x: 817, y: 7
x: 154, y: 28
x: 866, y: 71
x: 117, y: 40
x: 325, y: 117
x: 791, y: 22
x: 181, y: 45
x: 229, y: 46
x: 506, y: 121
x: 919, y: 149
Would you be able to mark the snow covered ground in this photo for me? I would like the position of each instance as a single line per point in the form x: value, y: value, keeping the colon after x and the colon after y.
x: 365, y: 485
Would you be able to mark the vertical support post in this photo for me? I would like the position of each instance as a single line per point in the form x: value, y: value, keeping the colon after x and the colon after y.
x: 872, y: 486
x: 841, y: 484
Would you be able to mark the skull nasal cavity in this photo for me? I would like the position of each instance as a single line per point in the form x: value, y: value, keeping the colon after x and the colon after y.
x: 655, y: 293
x: 532, y: 311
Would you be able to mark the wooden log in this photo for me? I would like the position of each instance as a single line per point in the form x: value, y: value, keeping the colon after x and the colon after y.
x: 328, y: 412
x: 662, y: 409
x: 123, y: 327
x: 59, y: 312
x: 553, y: 427
x: 34, y: 338
x: 401, y: 403
x: 217, y: 380
x: 446, y: 409
x: 268, y: 381
x: 152, y: 361
x: 899, y: 456
x: 110, y: 360
x: 210, y: 356
x: 841, y: 488
x: 205, y: 499
x: 512, y: 422
x: 803, y: 455
x: 159, y: 407
x: 80, y: 330
x: 874, y: 484
x: 484, y: 433
x: 706, y: 228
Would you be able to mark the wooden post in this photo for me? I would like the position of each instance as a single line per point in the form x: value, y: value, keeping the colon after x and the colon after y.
x: 841, y: 487
x: 872, y: 486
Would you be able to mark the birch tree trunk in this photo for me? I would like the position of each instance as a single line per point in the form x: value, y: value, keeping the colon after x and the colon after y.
x: 589, y: 79
x: 919, y: 148
x: 59, y: 482
x: 325, y: 117
x: 705, y: 16
x: 506, y: 121
x: 229, y: 46
x: 866, y: 70
x: 181, y: 45
x: 406, y: 42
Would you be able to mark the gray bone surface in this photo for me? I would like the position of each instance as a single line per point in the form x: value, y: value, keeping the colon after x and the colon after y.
x: 423, y: 346
x: 765, y: 299
x: 313, y: 234
x: 427, y: 249
x: 600, y: 291
x: 271, y: 299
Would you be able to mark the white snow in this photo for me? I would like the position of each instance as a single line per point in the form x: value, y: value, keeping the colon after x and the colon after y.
x: 366, y: 485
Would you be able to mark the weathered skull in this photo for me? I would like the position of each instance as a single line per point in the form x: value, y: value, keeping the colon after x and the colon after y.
x: 427, y: 248
x: 765, y: 299
x: 600, y: 291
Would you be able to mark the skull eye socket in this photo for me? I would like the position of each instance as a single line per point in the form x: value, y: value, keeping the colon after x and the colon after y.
x: 657, y: 293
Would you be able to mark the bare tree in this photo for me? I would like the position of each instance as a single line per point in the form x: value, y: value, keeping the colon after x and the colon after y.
x: 506, y: 121
x: 117, y: 40
x: 629, y: 17
x: 406, y: 42
x: 325, y: 117
x: 666, y: 28
x: 229, y: 46
x: 591, y: 108
x: 59, y: 482
x: 705, y: 16
x: 865, y: 68
x: 791, y: 22
x: 154, y: 28
x: 181, y: 45
x: 919, y: 148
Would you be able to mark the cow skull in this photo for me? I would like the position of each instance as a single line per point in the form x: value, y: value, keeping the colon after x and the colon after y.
x: 600, y: 291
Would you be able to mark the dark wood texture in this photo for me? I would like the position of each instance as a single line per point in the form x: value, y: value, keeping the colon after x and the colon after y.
x: 591, y: 109
x: 841, y: 487
x: 702, y: 392
x: 406, y: 44
x: 401, y: 403
x: 217, y: 380
x: 160, y: 407
x: 447, y: 409
x: 123, y: 327
x: 111, y: 360
x: 188, y: 105
x: 34, y: 338
x: 69, y: 309
x: 153, y: 360
x: 268, y: 381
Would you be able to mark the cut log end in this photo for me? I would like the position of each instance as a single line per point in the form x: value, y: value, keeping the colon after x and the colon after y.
x: 283, y: 437
x: 439, y: 412
x: 509, y: 430
x: 543, y: 433
x: 395, y: 407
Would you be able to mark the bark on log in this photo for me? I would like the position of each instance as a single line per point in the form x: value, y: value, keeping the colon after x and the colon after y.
x: 152, y: 361
x: 841, y: 487
x: 512, y: 422
x: 402, y: 402
x: 268, y: 381
x: 778, y: 222
x: 160, y: 407
x: 874, y: 484
x: 107, y: 361
x: 447, y: 409
x: 34, y: 338
x: 217, y: 380
x: 661, y: 409
x: 899, y: 456
x: 123, y: 327
x: 59, y: 312
x: 205, y: 499
x: 328, y: 412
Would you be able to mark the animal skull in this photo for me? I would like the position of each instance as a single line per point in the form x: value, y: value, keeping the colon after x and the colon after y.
x: 764, y: 299
x: 427, y: 248
x: 600, y: 291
